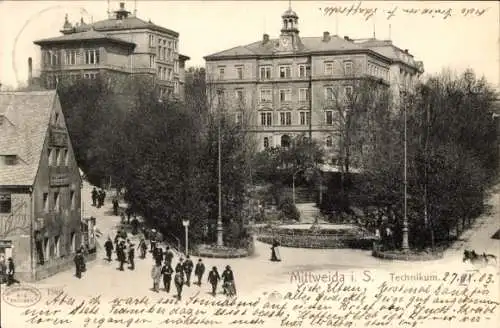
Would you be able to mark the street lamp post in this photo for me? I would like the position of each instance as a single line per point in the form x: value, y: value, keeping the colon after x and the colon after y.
x: 220, y: 240
x: 405, y: 245
x: 185, y: 223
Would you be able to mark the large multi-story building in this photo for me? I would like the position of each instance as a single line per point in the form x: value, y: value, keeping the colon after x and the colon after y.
x: 120, y: 47
x: 290, y: 85
x: 40, y: 185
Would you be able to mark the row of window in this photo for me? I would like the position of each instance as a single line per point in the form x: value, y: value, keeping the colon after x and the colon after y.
x: 58, y: 157
x: 165, y: 73
x: 165, y: 50
x: 378, y: 71
x: 50, y: 248
x: 285, y: 95
x: 286, y: 140
x: 303, y: 118
x: 172, y: 44
x: 285, y: 71
x: 71, y: 57
x: 55, y: 204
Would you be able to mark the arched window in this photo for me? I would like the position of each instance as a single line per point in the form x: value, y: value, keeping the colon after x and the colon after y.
x: 329, y: 141
x: 285, y: 141
x: 266, y: 142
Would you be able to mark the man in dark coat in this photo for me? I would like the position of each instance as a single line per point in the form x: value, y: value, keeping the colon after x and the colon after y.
x: 11, y: 271
x: 167, y: 272
x: 179, y: 266
x: 143, y: 248
x: 158, y: 254
x: 135, y: 226
x: 108, y: 246
x: 188, y: 269
x: 115, y: 207
x: 131, y: 255
x: 169, y: 255
x: 121, y: 255
x: 94, y: 197
x: 128, y: 212
x: 103, y: 197
x: 199, y: 270
x: 79, y: 263
x: 213, y: 279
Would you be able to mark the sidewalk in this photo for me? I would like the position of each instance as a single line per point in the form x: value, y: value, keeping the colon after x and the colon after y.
x: 478, y: 237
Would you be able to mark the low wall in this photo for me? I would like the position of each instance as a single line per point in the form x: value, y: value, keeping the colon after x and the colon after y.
x: 210, y: 251
x: 410, y: 256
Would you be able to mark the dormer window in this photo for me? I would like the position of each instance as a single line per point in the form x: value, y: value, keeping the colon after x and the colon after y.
x: 10, y: 159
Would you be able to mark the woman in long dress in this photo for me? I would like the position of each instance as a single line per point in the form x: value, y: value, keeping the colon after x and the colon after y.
x: 274, y: 252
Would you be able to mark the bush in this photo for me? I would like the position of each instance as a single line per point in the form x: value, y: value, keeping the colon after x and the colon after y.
x: 288, y: 210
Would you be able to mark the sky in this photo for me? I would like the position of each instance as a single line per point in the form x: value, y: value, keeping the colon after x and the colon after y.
x: 448, y: 34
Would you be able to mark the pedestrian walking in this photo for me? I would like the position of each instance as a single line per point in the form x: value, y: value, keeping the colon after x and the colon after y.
x: 213, y: 279
x: 94, y: 197
x: 275, y: 252
x: 131, y: 255
x: 121, y: 255
x: 143, y: 248
x: 167, y: 272
x: 188, y: 269
x: 115, y: 208
x: 11, y: 271
x: 199, y: 270
x: 128, y: 212
x: 79, y: 264
x: 169, y: 255
x: 179, y: 267
x: 179, y: 282
x: 108, y: 246
x: 156, y: 275
x: 135, y: 226
x: 158, y: 254
x: 122, y: 217
x: 3, y: 270
x: 152, y: 240
x: 228, y: 282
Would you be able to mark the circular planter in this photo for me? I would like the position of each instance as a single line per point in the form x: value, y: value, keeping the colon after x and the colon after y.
x: 223, y: 252
x: 409, y: 256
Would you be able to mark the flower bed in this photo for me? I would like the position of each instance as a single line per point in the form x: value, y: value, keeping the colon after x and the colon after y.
x: 223, y: 252
x: 318, y: 241
x: 407, y: 256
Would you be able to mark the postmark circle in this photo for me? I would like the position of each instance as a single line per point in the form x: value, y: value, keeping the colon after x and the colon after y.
x: 22, y: 296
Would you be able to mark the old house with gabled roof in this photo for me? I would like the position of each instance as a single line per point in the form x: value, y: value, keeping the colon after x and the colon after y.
x: 40, y: 184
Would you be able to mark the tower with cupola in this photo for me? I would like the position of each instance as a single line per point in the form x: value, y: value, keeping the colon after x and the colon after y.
x: 289, y: 39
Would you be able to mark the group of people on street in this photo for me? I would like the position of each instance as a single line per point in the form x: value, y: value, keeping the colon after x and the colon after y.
x: 7, y: 271
x: 98, y: 197
x: 124, y: 248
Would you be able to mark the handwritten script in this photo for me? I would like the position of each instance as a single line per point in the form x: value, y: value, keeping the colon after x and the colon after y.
x: 449, y: 299
x: 367, y: 12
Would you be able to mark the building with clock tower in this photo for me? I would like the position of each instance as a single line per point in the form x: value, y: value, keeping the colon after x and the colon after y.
x: 289, y: 85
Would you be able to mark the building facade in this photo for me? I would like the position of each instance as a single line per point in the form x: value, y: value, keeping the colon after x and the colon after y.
x: 291, y: 85
x: 118, y: 48
x: 40, y: 185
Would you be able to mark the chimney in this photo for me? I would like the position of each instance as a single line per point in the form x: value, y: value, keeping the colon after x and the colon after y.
x: 30, y: 71
x: 347, y: 38
x: 326, y: 36
x: 265, y: 38
x: 406, y: 51
x: 122, y: 5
